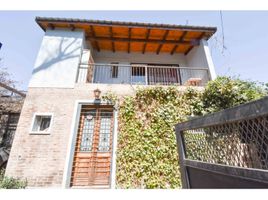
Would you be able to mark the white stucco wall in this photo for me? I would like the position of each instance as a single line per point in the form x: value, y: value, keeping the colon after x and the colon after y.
x: 200, y: 57
x: 133, y: 57
x: 83, y: 67
x: 58, y: 59
x: 209, y: 59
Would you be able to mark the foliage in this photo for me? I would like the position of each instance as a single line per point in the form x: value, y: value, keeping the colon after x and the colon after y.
x: 147, y: 153
x: 8, y: 104
x: 225, y: 92
x: 11, y: 183
x: 110, y: 97
x: 5, y: 77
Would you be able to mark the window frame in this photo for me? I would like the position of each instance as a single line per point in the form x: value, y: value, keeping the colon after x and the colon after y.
x: 48, y: 132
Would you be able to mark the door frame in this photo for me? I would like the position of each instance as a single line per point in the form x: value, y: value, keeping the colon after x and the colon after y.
x: 73, y: 136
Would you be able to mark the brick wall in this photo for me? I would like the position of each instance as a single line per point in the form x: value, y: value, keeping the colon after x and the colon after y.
x: 41, y: 158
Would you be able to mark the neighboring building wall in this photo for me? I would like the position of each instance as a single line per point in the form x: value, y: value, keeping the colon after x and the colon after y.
x: 58, y: 59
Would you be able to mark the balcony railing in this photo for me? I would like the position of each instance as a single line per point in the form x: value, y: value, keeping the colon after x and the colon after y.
x: 141, y: 74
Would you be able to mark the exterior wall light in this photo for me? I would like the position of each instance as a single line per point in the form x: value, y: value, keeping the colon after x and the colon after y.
x: 97, y: 93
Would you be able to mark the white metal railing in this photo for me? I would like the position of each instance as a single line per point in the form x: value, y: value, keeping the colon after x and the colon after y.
x: 142, y: 74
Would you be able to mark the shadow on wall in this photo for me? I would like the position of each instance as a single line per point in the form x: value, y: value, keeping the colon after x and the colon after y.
x: 63, y: 53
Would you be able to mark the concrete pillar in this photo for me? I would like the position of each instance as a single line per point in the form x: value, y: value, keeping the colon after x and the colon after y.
x: 209, y: 61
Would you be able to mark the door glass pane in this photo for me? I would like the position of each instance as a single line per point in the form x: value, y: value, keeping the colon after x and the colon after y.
x: 88, y: 130
x: 105, y: 130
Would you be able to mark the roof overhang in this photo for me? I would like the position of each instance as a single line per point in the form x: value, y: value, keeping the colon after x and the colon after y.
x: 133, y: 37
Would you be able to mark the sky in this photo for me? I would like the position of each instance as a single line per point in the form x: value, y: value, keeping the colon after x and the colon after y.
x: 239, y: 47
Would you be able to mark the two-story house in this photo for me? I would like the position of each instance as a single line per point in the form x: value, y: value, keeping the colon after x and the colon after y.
x: 67, y: 136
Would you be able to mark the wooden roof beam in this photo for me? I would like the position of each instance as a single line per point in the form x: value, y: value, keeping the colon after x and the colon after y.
x: 181, y: 39
x: 51, y: 26
x: 129, y: 37
x: 190, y: 48
x: 164, y: 38
x: 111, y: 36
x: 72, y: 27
x: 201, y: 36
x: 147, y: 37
x: 94, y: 35
x: 192, y: 42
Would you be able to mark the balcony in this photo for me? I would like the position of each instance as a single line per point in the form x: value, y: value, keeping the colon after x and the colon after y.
x: 142, y: 74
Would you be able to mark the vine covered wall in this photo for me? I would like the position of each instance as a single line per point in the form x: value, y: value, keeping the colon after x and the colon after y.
x: 146, y: 152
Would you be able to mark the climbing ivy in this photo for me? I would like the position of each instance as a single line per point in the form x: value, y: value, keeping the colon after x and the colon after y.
x: 225, y: 92
x: 147, y: 153
x: 10, y: 182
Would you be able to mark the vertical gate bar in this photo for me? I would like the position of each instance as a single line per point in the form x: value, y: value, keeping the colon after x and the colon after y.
x: 181, y: 152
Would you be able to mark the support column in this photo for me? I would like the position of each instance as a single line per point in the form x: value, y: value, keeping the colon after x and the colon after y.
x: 210, y: 64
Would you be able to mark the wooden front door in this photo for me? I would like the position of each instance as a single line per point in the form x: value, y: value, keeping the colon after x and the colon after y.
x: 93, y: 151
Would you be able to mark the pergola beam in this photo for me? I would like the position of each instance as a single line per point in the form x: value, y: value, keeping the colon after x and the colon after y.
x: 192, y: 42
x: 129, y: 37
x: 94, y: 35
x: 181, y: 39
x: 72, y: 27
x: 51, y: 26
x: 164, y: 38
x: 111, y: 36
x: 147, y: 37
x: 190, y: 48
